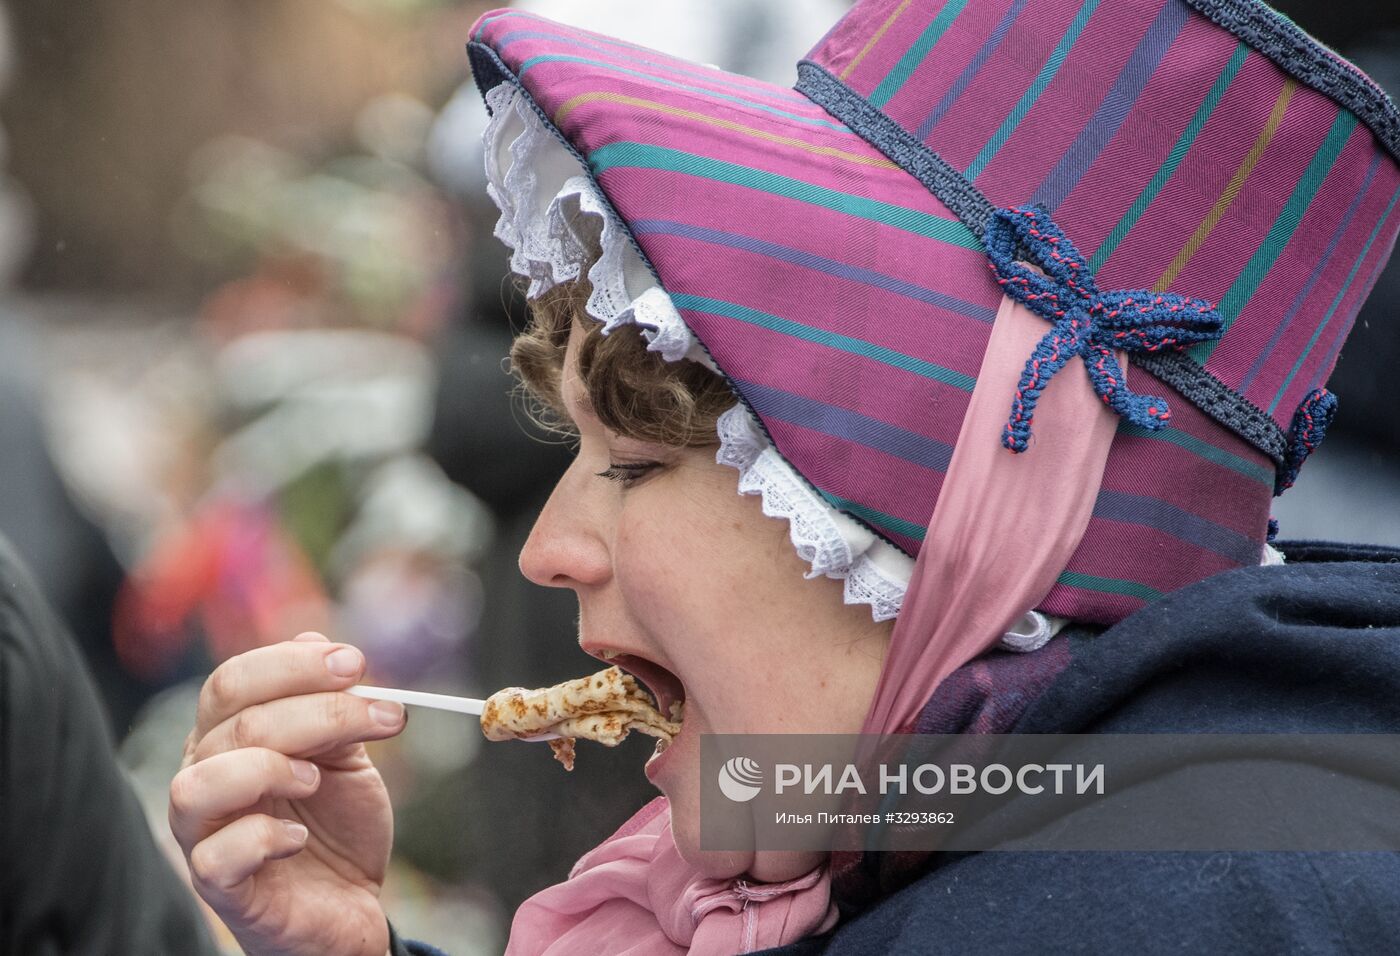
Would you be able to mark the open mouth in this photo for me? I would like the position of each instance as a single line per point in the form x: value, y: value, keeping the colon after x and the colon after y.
x: 665, y: 687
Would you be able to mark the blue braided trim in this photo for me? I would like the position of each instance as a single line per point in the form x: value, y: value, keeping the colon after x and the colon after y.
x: 1301, y: 56
x: 1310, y: 423
x: 899, y: 145
x: 1218, y: 401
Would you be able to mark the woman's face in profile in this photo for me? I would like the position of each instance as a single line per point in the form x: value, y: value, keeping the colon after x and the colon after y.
x: 704, y: 596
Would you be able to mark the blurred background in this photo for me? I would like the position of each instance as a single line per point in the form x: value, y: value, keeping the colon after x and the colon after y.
x: 252, y: 325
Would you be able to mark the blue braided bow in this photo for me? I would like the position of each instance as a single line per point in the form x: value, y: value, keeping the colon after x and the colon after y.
x: 1087, y: 322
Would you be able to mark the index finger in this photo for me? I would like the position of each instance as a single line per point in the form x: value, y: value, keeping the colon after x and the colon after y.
x: 306, y: 665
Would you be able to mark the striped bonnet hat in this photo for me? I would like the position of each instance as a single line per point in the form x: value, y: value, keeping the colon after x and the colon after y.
x: 1195, y: 183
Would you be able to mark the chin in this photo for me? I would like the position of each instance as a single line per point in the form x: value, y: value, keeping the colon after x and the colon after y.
x: 678, y: 778
x: 683, y: 796
x: 764, y: 866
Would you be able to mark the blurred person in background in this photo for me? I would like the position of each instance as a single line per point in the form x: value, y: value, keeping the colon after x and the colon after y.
x: 64, y: 549
x: 283, y: 816
x: 259, y: 474
x: 82, y: 873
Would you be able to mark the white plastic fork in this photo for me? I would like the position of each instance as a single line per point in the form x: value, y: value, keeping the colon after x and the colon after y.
x: 418, y: 698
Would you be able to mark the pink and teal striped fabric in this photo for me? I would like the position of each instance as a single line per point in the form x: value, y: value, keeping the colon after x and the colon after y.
x: 850, y: 308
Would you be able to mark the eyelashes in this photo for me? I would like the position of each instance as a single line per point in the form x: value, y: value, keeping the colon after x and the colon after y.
x: 627, y: 474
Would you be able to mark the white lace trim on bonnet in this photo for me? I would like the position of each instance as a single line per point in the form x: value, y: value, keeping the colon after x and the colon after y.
x: 553, y: 219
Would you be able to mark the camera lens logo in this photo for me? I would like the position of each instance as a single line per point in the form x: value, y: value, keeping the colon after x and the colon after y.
x: 740, y: 779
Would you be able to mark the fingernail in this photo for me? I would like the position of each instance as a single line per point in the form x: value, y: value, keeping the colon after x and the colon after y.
x: 344, y: 662
x: 295, y: 830
x: 305, y: 771
x: 386, y: 712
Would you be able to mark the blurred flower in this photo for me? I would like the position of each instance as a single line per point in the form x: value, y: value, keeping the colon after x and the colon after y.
x: 363, y: 240
x: 295, y: 399
x: 408, y: 594
x: 411, y: 615
x: 229, y: 573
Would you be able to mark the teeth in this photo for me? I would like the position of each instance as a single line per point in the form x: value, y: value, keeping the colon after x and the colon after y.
x: 607, y: 653
x: 661, y: 744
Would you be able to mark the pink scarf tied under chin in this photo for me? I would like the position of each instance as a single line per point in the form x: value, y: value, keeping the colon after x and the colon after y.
x: 1005, y: 527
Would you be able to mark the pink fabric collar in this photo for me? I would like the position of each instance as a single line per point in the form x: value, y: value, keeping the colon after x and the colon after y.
x: 633, y: 895
x: 1004, y: 529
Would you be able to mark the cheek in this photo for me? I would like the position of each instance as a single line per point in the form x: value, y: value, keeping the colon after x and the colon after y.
x: 709, y: 578
x: 674, y: 557
x: 674, y: 565
x: 649, y: 562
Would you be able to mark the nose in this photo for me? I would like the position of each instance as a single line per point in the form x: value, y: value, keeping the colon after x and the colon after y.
x: 566, y: 547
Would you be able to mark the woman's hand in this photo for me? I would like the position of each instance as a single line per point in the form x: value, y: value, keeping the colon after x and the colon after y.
x: 284, y: 820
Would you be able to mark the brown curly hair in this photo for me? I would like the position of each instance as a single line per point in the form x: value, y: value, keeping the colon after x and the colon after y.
x: 633, y: 392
